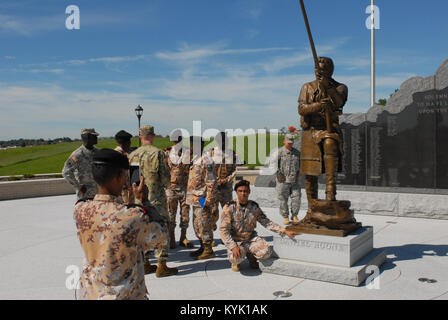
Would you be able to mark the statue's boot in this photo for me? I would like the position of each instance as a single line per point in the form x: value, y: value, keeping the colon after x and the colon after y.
x: 311, y: 188
x: 331, y: 168
x: 198, y: 252
x: 183, y: 241
x: 172, y: 239
x: 164, y: 271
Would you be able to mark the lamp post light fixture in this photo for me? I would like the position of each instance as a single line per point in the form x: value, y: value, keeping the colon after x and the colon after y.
x: 139, y: 113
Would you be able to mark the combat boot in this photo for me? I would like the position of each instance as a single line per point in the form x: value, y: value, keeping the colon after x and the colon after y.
x: 149, y: 268
x: 164, y: 271
x: 331, y: 166
x: 172, y: 239
x: 253, y: 263
x: 198, y: 252
x: 286, y: 221
x: 183, y: 241
x: 295, y: 219
x: 235, y: 267
x: 207, y: 253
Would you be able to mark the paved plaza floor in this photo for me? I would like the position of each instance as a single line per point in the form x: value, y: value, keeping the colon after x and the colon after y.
x: 40, y: 253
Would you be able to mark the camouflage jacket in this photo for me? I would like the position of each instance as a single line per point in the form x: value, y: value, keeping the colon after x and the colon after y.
x: 179, y: 167
x: 113, y: 238
x: 127, y: 195
x: 225, y: 165
x: 238, y: 222
x: 287, y: 163
x: 155, y: 171
x: 78, y: 171
x: 201, y: 181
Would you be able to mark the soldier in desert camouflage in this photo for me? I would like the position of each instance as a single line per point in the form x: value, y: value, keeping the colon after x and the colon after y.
x: 154, y: 169
x: 225, y: 163
x: 179, y: 163
x: 238, y: 222
x: 201, y: 194
x: 114, y: 236
x: 78, y: 167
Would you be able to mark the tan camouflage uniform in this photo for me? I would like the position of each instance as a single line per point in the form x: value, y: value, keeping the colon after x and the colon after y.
x: 78, y: 172
x: 202, y: 183
x: 113, y: 238
x: 225, y: 167
x: 176, y: 193
x: 156, y: 173
x: 238, y: 223
x: 126, y: 194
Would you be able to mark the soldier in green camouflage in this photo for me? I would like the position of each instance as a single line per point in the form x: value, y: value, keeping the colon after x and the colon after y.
x: 156, y: 173
x: 286, y: 162
x: 78, y: 167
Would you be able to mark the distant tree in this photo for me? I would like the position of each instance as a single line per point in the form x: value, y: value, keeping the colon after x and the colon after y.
x: 382, y: 102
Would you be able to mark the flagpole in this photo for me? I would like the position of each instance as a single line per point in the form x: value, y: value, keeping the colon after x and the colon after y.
x: 372, y: 70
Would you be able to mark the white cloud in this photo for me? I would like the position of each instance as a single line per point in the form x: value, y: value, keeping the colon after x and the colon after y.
x: 190, y: 53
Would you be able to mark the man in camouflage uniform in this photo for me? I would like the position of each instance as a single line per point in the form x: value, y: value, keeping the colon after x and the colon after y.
x: 114, y: 236
x: 179, y: 163
x: 123, y: 139
x: 224, y: 160
x: 286, y: 161
x: 78, y: 167
x: 201, y: 194
x: 238, y: 222
x: 155, y: 171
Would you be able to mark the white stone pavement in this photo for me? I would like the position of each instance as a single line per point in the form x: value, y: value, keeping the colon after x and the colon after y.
x: 38, y: 242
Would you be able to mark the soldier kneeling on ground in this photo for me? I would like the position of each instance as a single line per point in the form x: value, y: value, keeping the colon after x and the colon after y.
x: 114, y: 236
x: 238, y: 222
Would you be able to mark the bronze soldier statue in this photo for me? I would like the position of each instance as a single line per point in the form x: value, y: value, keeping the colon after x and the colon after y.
x: 320, y: 104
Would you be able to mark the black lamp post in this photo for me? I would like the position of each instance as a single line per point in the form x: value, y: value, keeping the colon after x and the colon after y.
x: 139, y: 113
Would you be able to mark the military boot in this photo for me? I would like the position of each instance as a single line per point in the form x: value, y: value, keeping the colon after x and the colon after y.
x: 149, y: 268
x: 172, y: 239
x: 207, y: 253
x: 295, y: 219
x: 183, y: 241
x: 235, y: 267
x: 286, y: 221
x: 331, y: 167
x: 164, y: 271
x: 198, y: 252
x: 253, y: 263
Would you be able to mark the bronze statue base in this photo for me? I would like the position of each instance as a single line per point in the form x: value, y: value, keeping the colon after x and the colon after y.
x: 331, y: 218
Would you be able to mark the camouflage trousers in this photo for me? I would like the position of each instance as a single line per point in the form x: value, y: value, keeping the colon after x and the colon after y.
x: 223, y: 196
x: 257, y: 246
x: 161, y: 252
x: 284, y: 192
x: 203, y: 224
x: 175, y: 197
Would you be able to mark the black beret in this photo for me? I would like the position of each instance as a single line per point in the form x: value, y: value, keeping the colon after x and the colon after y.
x: 123, y: 135
x: 111, y: 158
x: 242, y: 183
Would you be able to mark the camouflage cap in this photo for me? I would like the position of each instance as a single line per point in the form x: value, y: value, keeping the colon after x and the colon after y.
x: 89, y: 131
x: 289, y: 138
x: 146, y: 130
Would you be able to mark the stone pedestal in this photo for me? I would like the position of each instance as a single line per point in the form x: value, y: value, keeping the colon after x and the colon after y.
x: 343, y: 260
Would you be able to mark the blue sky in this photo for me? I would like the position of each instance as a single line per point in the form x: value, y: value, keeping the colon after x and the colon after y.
x: 231, y: 64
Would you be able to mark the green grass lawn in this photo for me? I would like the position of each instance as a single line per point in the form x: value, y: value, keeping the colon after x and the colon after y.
x: 51, y: 158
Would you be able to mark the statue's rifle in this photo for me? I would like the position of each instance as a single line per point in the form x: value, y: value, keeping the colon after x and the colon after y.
x: 316, y: 62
